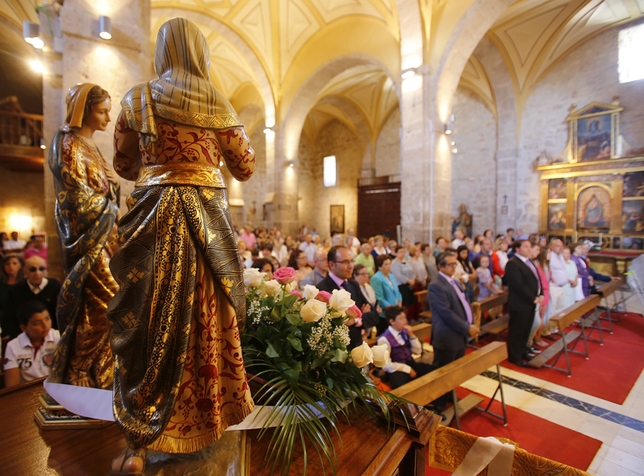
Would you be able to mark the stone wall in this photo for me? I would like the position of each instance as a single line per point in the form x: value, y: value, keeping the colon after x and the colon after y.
x: 254, y: 190
x: 588, y: 74
x: 474, y: 165
x: 388, y: 147
x: 315, y: 199
x: 21, y: 195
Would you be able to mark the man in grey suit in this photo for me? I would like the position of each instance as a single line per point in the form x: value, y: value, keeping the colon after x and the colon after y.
x: 452, y: 318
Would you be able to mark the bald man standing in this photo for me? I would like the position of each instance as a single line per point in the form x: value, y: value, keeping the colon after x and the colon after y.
x: 36, y: 287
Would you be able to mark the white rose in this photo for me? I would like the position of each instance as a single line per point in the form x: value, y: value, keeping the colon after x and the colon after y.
x: 272, y: 287
x: 310, y: 292
x: 340, y: 300
x: 381, y: 355
x: 313, y: 310
x: 290, y: 287
x: 362, y: 355
x: 253, y: 278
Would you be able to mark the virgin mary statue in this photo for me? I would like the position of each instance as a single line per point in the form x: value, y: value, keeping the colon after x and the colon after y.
x: 87, y: 194
x: 179, y: 377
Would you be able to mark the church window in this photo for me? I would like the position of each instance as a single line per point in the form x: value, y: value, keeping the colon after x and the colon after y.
x: 630, y: 44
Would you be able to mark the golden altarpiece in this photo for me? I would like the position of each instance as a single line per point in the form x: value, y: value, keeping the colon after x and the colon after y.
x: 594, y: 191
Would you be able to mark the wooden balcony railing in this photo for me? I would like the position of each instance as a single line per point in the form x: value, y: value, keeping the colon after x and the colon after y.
x: 20, y: 140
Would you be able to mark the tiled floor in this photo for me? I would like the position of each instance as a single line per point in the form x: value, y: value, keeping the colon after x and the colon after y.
x: 619, y: 427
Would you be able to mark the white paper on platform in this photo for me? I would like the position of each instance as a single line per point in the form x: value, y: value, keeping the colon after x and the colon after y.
x: 84, y: 401
x: 96, y: 403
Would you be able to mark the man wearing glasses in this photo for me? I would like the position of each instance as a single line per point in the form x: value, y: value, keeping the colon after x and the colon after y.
x: 340, y: 261
x: 452, y: 317
x: 36, y: 287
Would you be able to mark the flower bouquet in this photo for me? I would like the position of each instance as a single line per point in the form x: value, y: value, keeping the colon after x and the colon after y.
x: 295, y: 345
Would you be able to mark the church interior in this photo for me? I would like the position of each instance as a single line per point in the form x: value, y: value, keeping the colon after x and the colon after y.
x: 395, y: 118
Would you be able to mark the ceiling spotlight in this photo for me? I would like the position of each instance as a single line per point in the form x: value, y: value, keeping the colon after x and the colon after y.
x: 454, y: 150
x: 37, y: 66
x: 408, y: 73
x: 31, y: 34
x: 268, y: 129
x: 105, y: 27
x: 453, y: 143
x: 290, y: 163
x: 43, y: 146
x: 448, y: 129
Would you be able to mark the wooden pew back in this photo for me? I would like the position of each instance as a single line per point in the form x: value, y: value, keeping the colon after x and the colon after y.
x: 494, y: 301
x: 428, y: 388
x: 610, y: 287
x: 576, y: 311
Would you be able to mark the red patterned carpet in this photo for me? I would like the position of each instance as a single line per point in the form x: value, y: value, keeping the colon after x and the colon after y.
x: 534, y: 434
x: 612, y: 369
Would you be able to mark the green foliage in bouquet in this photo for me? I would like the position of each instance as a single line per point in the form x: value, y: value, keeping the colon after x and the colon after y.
x: 296, y: 345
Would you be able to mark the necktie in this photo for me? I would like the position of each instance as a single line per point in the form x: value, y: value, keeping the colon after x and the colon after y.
x: 532, y: 267
x: 461, y: 296
x: 345, y: 286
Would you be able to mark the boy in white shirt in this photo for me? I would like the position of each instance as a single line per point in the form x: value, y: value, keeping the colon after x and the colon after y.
x: 30, y: 355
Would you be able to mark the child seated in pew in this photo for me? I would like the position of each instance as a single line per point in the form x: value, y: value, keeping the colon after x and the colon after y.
x: 487, y: 287
x: 30, y: 355
x: 402, y: 343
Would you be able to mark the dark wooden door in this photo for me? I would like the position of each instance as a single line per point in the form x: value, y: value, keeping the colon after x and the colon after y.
x: 378, y: 209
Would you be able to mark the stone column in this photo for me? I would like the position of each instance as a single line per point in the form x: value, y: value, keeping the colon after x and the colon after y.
x: 76, y: 55
x: 421, y: 178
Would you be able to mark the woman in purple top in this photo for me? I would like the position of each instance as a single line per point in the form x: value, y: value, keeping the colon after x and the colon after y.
x: 583, y: 268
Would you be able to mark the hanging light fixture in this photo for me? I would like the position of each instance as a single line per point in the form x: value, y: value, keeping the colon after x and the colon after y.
x: 105, y: 27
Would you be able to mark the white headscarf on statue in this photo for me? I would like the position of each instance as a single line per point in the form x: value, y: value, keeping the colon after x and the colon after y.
x: 183, y: 92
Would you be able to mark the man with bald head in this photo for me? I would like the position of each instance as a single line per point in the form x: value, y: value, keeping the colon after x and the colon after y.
x: 558, y: 277
x: 319, y: 271
x: 36, y: 287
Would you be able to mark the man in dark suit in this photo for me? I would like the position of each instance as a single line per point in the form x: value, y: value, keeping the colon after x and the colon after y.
x: 451, y: 313
x: 522, y: 279
x: 36, y: 287
x: 340, y: 260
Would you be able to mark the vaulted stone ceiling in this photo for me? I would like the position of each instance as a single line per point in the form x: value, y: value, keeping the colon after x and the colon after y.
x: 534, y: 35
x: 267, y: 49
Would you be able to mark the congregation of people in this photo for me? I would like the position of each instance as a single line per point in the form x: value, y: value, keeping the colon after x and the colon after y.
x: 383, y: 277
x: 542, y: 279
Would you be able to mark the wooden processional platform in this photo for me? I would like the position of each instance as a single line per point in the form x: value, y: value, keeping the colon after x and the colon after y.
x: 367, y: 447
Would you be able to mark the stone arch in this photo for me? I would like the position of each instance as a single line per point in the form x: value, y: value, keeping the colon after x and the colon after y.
x: 265, y: 87
x: 306, y: 96
x: 469, y: 31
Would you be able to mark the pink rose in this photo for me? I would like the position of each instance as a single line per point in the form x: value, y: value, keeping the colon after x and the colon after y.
x: 298, y: 293
x: 284, y: 275
x: 354, y: 312
x: 323, y: 296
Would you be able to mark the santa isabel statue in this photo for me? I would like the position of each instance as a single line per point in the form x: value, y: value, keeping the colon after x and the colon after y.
x: 179, y: 378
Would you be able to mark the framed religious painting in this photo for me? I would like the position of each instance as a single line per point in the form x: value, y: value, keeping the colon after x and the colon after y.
x: 556, y: 216
x: 594, y: 209
x: 337, y: 219
x: 557, y: 189
x: 633, y: 216
x: 633, y: 185
x: 594, y: 131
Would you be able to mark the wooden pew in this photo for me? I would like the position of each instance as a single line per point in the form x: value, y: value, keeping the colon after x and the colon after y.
x: 422, y: 330
x: 428, y: 388
x: 499, y: 325
x: 605, y: 291
x: 421, y: 300
x: 577, y: 311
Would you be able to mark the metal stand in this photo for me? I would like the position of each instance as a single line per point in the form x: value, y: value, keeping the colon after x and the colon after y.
x: 474, y: 401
